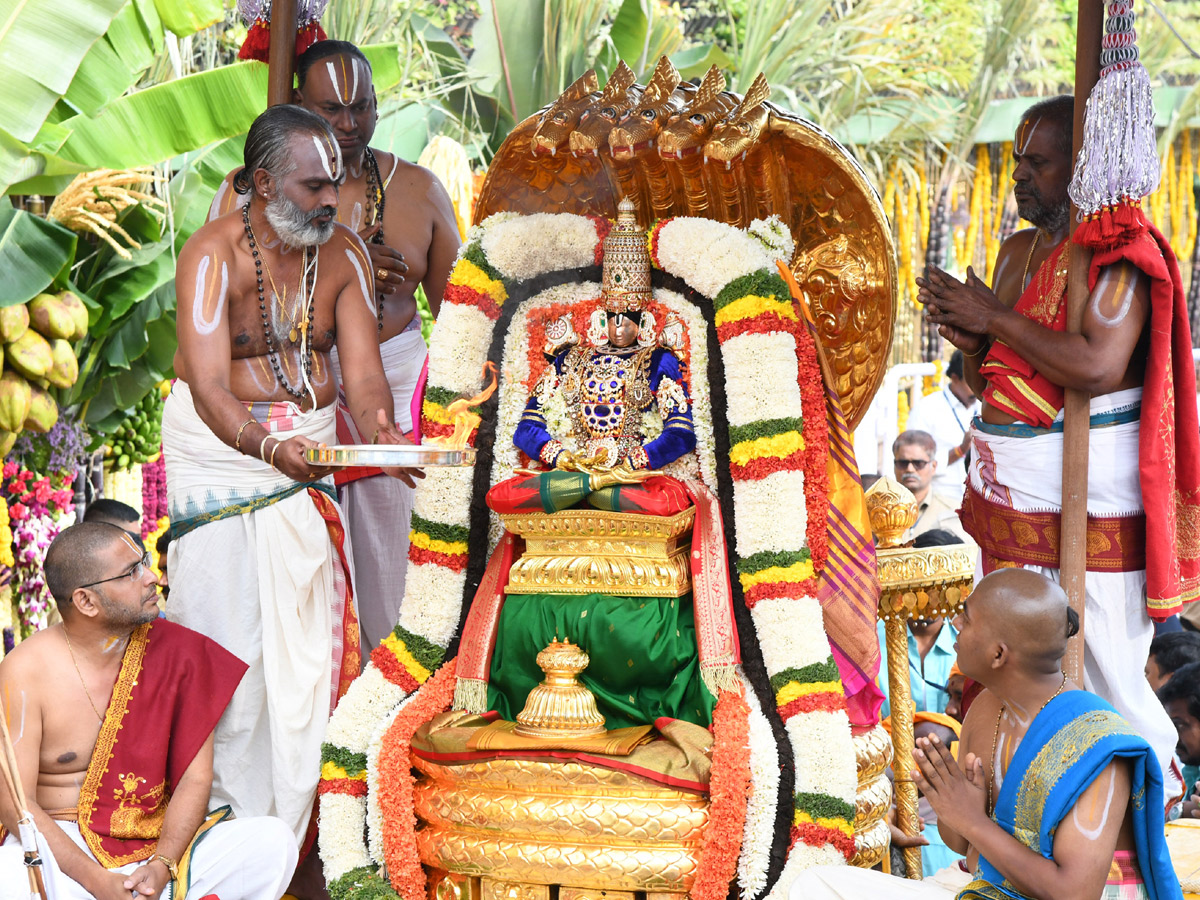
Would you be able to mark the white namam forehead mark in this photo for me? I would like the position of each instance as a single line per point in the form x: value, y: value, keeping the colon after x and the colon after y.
x: 208, y: 301
x: 356, y: 261
x: 330, y: 158
x: 345, y: 85
x: 1028, y: 135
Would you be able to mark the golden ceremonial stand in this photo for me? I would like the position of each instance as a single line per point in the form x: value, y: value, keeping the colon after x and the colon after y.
x: 916, y: 584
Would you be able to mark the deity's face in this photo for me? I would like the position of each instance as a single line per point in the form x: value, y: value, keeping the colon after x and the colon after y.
x: 302, y: 204
x: 1042, y: 175
x: 340, y: 91
x: 623, y: 328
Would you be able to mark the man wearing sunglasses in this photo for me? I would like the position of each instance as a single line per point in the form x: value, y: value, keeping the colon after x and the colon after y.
x: 915, y: 461
x: 112, y: 715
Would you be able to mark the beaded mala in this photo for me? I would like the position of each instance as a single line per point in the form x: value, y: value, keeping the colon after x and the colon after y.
x: 375, y: 195
x: 307, y: 292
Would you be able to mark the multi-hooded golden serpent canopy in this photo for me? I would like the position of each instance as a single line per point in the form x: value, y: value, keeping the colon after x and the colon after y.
x: 685, y: 150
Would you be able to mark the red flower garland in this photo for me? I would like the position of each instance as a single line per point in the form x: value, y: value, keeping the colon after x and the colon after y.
x: 816, y: 442
x: 396, y: 782
x: 728, y: 788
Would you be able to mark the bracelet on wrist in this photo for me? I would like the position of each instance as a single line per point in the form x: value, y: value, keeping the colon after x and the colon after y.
x: 987, y: 345
x: 237, y: 441
x: 262, y: 448
x: 271, y: 462
x: 171, y: 866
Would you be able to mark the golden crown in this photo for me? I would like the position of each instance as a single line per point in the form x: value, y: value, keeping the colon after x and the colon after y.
x: 626, y: 281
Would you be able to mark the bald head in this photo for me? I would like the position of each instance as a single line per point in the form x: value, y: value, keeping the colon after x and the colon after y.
x: 1028, y: 614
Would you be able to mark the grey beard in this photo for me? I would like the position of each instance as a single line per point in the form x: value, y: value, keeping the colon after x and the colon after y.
x: 1047, y: 218
x: 294, y: 226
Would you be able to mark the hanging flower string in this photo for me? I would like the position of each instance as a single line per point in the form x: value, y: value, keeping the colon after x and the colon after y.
x: 257, y: 16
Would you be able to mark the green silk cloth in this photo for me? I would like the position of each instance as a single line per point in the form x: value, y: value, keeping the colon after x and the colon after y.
x: 644, y: 661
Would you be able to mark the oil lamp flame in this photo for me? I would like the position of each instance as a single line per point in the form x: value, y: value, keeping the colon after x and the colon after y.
x: 460, y: 413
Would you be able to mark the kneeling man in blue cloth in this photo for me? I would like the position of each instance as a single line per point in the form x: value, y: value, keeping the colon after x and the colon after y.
x: 1053, y: 795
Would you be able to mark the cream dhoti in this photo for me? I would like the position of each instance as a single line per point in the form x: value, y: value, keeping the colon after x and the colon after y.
x: 239, y: 859
x: 260, y: 564
x: 1012, y: 509
x: 378, y: 509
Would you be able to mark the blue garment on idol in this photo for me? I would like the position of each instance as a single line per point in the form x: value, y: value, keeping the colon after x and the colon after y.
x: 928, y: 686
x: 1066, y: 747
x: 607, y: 391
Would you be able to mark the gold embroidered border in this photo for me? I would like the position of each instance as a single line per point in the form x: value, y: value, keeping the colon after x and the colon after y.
x: 1053, y: 760
x: 118, y: 706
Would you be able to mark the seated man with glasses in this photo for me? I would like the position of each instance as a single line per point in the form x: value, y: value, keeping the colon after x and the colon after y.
x: 112, y: 715
x: 915, y: 459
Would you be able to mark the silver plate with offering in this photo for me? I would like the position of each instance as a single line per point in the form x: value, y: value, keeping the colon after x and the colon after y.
x: 415, y: 456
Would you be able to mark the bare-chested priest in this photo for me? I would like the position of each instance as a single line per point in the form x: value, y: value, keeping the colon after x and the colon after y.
x: 405, y: 216
x: 112, y: 715
x: 260, y: 556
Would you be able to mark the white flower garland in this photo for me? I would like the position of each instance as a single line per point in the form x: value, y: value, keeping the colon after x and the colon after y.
x: 708, y: 258
x: 761, y: 504
x: 763, y: 800
x: 790, y: 633
x: 521, y: 248
x: 754, y: 362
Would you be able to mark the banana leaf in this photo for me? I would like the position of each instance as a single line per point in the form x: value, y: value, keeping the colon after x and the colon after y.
x: 177, y: 117
x: 33, y: 254
x: 184, y: 17
x: 42, y: 44
x: 115, y: 62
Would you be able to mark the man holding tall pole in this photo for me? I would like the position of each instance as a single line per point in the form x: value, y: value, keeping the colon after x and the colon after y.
x: 1021, y: 358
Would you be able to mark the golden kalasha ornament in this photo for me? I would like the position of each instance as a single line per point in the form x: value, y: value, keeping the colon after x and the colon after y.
x: 560, y: 707
x: 626, y: 281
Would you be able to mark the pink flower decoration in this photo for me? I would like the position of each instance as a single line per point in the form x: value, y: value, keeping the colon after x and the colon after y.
x: 10, y: 469
x: 18, y: 511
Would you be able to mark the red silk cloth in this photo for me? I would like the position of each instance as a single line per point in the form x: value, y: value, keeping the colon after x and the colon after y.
x: 659, y: 495
x: 173, y: 686
x: 1006, y: 535
x: 1013, y: 385
x: 1169, y: 440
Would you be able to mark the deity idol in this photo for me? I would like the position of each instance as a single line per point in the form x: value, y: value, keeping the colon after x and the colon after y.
x: 607, y: 390
x: 649, y: 658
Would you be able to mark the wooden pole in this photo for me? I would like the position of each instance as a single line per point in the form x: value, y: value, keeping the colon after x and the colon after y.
x: 282, y: 56
x: 16, y: 789
x: 1076, y: 405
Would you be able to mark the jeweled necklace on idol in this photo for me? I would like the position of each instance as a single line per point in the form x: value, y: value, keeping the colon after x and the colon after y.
x: 306, y: 297
x: 375, y: 195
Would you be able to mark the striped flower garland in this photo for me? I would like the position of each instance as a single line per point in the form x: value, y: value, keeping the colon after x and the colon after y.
x: 776, y: 459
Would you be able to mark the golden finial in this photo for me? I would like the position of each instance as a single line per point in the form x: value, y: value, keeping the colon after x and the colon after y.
x: 560, y: 707
x: 758, y: 93
x: 893, y: 511
x: 710, y: 87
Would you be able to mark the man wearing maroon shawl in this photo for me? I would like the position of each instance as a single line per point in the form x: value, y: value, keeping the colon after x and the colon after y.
x: 112, y: 714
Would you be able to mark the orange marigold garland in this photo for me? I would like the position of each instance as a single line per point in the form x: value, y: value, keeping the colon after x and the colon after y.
x: 728, y: 787
x: 396, y: 782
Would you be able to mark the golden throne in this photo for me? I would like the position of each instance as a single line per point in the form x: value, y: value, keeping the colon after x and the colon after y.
x: 811, y: 790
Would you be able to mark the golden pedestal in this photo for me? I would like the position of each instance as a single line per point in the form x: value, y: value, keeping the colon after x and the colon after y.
x: 515, y: 826
x: 587, y: 551
x: 872, y: 837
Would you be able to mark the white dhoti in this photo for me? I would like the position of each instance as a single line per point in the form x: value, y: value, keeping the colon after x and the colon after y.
x: 850, y: 883
x: 238, y: 859
x: 262, y: 577
x: 378, y: 509
x: 1020, y: 469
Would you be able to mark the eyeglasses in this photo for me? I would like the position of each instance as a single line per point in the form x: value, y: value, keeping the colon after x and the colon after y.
x: 917, y: 464
x: 133, y: 573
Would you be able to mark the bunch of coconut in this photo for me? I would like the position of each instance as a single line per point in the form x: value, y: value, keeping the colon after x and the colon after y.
x: 37, y: 338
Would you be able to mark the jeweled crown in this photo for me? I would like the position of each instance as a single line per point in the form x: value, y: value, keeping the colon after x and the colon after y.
x: 626, y: 281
